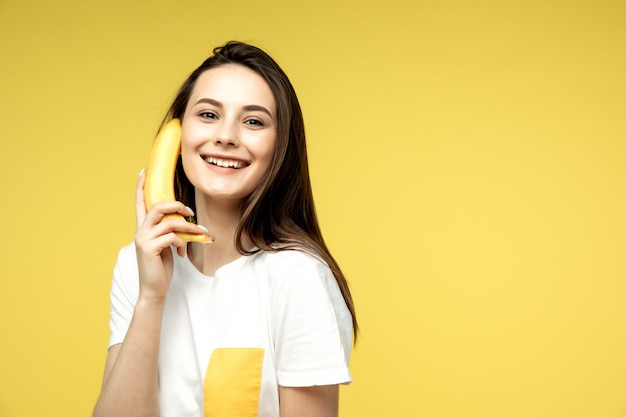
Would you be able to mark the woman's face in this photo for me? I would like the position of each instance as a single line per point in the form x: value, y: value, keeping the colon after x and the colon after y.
x: 228, y: 132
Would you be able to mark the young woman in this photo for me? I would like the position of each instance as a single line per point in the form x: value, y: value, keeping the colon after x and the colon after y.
x: 260, y: 322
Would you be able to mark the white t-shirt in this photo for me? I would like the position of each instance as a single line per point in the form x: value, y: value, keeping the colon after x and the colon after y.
x: 287, y: 305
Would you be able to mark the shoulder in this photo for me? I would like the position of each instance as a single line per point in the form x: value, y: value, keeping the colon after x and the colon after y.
x: 125, y: 273
x: 288, y: 261
x: 311, y: 326
x: 127, y: 254
x: 300, y: 280
x: 293, y: 267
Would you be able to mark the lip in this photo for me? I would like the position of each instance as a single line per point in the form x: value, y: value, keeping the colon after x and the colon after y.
x: 243, y: 162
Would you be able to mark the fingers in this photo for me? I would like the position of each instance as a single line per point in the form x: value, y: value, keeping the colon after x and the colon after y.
x: 167, y: 210
x: 157, y: 228
x: 155, y: 246
x: 158, y: 210
x: 161, y: 222
x: 156, y: 233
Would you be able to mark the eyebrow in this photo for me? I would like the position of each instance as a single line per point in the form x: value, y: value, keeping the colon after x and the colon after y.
x: 249, y: 107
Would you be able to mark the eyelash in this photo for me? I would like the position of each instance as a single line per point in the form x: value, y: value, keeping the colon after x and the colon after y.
x: 208, y: 115
x: 255, y: 122
x: 211, y: 115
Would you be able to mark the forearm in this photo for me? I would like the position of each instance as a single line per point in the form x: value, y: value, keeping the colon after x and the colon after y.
x: 130, y: 385
x: 318, y: 401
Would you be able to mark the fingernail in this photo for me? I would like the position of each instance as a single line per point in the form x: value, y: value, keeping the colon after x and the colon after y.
x: 141, y: 172
x: 190, y: 211
x: 203, y: 228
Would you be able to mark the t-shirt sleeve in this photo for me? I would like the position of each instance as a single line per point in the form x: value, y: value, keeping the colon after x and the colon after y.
x: 124, y: 293
x: 312, y: 328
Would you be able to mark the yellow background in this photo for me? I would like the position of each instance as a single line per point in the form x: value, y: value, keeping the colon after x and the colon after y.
x: 468, y: 163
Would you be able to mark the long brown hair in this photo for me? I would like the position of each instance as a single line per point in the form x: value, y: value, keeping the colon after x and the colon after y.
x: 280, y: 213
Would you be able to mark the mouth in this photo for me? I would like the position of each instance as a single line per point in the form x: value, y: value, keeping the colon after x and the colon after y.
x: 225, y: 163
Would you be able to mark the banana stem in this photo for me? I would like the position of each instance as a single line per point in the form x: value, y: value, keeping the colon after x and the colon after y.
x: 190, y: 237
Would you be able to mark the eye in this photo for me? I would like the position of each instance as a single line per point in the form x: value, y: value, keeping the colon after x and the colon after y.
x: 208, y: 115
x: 254, y: 122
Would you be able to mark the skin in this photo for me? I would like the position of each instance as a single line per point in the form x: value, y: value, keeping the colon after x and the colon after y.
x: 230, y: 115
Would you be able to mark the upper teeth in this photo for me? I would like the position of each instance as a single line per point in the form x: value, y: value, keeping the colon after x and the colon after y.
x: 226, y: 163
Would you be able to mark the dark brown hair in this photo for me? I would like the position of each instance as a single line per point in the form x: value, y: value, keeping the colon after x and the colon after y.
x: 280, y: 213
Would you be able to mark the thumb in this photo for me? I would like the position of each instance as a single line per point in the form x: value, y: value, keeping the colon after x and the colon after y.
x: 140, y: 202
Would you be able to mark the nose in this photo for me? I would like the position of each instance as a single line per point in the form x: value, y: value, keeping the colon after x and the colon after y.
x: 227, y: 134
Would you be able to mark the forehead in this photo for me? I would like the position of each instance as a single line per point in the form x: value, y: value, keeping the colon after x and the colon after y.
x: 233, y: 84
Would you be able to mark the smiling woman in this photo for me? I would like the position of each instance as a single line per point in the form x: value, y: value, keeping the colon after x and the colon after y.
x: 229, y: 133
x: 260, y: 322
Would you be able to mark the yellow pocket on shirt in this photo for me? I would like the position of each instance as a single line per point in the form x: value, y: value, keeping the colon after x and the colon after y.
x: 232, y: 384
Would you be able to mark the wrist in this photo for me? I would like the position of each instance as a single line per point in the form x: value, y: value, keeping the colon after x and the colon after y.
x: 150, y: 301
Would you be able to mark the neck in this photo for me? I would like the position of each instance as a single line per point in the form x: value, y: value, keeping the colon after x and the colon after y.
x: 222, y: 220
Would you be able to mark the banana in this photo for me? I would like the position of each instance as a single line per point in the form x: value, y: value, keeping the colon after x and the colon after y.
x: 160, y: 174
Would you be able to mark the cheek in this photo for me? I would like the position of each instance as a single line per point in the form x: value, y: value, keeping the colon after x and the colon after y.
x: 266, y: 148
x: 190, y: 139
x: 185, y: 150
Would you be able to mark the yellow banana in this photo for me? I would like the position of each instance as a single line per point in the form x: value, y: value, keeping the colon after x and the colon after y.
x: 160, y: 174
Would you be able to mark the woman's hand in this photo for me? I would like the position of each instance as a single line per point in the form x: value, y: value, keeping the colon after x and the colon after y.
x: 154, y: 237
